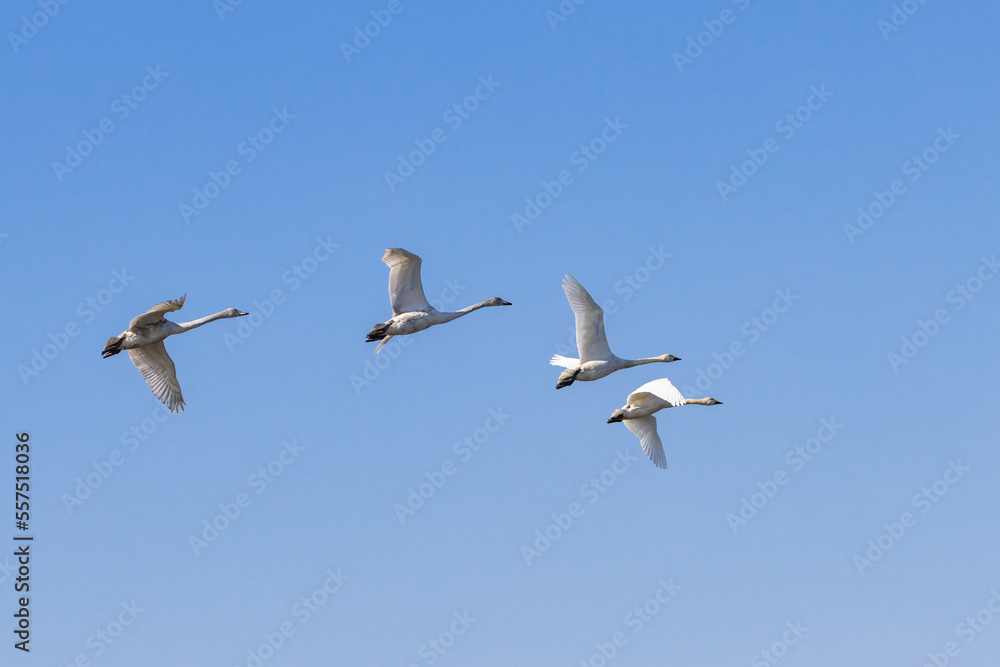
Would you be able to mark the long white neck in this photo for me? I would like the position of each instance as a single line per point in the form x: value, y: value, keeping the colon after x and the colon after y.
x: 448, y: 317
x: 629, y: 363
x: 194, y: 324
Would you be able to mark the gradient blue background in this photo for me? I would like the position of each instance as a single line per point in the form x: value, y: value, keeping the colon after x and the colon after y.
x: 323, y: 176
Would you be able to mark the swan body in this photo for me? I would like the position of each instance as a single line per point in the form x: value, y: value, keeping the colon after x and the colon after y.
x: 596, y: 358
x: 144, y: 341
x: 637, y: 414
x: 411, y: 312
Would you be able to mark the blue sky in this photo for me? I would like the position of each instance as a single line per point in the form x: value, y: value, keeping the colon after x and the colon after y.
x: 241, y: 157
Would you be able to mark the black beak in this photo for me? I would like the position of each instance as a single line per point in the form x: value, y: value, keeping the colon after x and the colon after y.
x: 505, y: 303
x: 677, y: 359
x: 241, y: 314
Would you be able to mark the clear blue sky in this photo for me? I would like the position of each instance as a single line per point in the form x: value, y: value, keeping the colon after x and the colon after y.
x: 219, y: 157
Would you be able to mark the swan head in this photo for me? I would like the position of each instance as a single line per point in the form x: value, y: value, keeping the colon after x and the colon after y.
x: 667, y: 358
x: 712, y: 401
x: 232, y: 312
x: 617, y: 416
x: 497, y: 301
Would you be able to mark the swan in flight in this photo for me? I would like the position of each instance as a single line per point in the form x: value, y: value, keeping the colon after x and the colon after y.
x: 410, y: 311
x: 144, y: 341
x: 637, y: 414
x: 596, y: 358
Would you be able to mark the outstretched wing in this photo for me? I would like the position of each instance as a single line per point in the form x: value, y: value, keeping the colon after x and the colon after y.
x: 156, y: 313
x: 661, y: 388
x: 406, y: 294
x: 157, y: 369
x: 645, y: 429
x: 591, y: 340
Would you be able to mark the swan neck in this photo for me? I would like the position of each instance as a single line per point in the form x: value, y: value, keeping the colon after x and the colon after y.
x: 640, y: 362
x: 469, y: 309
x: 194, y: 324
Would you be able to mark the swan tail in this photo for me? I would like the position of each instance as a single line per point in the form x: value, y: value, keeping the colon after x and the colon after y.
x: 377, y: 332
x: 565, y: 362
x: 567, y: 377
x: 379, y: 346
x: 113, y: 346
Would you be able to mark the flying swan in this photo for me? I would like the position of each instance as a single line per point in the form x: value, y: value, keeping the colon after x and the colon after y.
x: 144, y: 341
x: 410, y: 311
x: 596, y: 358
x: 637, y: 414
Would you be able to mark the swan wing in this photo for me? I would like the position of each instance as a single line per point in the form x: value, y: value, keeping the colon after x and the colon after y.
x: 157, y: 369
x: 661, y: 388
x: 406, y: 294
x: 645, y: 429
x: 591, y: 340
x: 156, y: 313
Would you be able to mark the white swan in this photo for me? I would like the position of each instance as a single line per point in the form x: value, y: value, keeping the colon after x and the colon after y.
x: 637, y: 414
x: 144, y: 341
x: 410, y: 311
x: 596, y: 358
